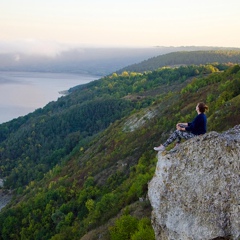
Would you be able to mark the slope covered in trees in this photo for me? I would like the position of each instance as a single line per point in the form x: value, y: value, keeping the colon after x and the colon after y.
x: 186, y: 58
x: 87, y: 158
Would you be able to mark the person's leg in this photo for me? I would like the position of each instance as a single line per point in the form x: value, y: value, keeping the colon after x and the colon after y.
x: 179, y: 140
x: 174, y: 136
x: 178, y: 135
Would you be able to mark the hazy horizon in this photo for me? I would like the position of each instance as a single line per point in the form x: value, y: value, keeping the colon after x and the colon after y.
x: 97, y: 61
x: 64, y: 33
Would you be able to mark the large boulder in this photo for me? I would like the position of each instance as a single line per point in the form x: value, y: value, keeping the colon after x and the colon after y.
x: 195, y: 192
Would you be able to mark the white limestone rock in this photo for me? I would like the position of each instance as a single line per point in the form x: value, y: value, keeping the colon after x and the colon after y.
x: 195, y: 192
x: 138, y: 120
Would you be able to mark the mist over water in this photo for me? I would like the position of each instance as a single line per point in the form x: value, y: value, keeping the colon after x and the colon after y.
x: 24, y: 92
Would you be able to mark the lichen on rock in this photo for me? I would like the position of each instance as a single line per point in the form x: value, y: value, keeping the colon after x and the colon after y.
x: 195, y: 192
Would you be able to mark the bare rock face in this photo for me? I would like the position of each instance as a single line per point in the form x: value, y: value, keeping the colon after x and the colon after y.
x: 195, y: 192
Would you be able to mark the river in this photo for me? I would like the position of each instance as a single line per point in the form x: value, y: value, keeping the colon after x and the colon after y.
x: 24, y: 92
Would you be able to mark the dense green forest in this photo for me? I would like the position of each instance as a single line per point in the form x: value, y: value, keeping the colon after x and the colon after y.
x: 79, y: 167
x: 186, y: 58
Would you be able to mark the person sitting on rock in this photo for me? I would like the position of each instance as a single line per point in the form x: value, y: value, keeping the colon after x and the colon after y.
x: 188, y: 130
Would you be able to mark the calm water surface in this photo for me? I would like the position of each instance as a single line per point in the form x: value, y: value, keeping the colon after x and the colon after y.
x: 24, y: 92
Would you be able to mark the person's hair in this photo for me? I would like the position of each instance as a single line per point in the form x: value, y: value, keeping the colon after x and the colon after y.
x: 202, y: 107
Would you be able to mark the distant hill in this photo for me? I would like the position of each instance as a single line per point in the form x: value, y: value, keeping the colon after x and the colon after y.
x: 185, y: 58
x: 99, y: 61
x: 79, y: 167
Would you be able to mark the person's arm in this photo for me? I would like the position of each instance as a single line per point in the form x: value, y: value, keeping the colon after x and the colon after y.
x: 186, y: 124
x: 198, y: 125
x: 181, y: 126
x: 191, y: 125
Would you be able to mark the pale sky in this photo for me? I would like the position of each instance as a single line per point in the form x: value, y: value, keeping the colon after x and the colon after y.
x: 50, y: 25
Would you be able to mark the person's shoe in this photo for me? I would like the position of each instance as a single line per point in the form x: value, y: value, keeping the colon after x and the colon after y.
x: 160, y: 148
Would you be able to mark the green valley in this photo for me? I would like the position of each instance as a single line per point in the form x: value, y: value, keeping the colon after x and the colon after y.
x: 79, y: 167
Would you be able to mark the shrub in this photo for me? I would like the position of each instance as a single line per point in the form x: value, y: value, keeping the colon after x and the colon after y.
x: 124, y: 228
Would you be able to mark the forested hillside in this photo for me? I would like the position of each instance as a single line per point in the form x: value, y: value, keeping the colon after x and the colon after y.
x: 79, y: 166
x: 186, y: 58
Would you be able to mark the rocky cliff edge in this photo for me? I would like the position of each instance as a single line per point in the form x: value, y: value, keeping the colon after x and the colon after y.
x: 195, y: 192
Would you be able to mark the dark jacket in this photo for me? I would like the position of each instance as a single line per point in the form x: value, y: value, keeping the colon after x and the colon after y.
x: 198, y: 125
